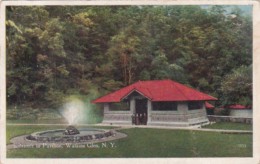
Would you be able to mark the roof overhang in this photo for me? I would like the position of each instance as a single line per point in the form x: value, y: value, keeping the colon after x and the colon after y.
x: 135, y: 90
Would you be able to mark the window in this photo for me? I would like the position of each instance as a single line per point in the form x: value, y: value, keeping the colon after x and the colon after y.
x: 195, y: 105
x: 121, y: 106
x: 165, y: 106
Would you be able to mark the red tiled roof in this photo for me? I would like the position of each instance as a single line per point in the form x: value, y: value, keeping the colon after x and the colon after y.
x: 237, y: 106
x: 157, y: 90
x: 208, y: 105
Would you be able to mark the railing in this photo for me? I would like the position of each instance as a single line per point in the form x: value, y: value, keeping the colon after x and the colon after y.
x: 215, y: 118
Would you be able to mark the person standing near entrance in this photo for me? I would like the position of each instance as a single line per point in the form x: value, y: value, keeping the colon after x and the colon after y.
x: 137, y: 119
x: 133, y: 119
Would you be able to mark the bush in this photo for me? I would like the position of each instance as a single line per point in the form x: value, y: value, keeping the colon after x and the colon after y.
x: 225, y: 112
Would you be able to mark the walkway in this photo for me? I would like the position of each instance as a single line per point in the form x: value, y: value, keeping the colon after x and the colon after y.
x: 121, y: 127
x: 186, y: 128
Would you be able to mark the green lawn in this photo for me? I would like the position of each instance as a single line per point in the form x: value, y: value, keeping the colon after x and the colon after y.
x: 229, y: 126
x: 145, y: 143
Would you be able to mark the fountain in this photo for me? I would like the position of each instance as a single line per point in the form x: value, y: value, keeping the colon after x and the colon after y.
x: 72, y: 112
x: 71, y: 130
x: 70, y: 134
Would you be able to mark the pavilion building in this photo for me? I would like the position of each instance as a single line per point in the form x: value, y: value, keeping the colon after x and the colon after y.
x: 237, y: 110
x: 155, y: 102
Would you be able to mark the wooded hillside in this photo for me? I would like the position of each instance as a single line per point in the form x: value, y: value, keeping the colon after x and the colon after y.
x: 54, y: 52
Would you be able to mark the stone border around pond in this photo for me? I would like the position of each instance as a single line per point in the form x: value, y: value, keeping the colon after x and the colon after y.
x: 100, y: 133
x: 23, y: 142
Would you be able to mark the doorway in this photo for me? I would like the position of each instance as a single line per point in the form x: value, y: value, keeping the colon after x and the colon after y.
x: 141, y: 111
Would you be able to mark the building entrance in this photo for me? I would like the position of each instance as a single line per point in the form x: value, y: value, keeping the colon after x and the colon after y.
x: 140, y: 117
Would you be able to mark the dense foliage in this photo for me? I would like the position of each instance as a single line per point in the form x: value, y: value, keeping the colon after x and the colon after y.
x: 54, y: 52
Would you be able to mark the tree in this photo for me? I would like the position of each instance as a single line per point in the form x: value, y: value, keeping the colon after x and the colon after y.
x: 162, y: 69
x: 237, y: 86
x: 123, y: 48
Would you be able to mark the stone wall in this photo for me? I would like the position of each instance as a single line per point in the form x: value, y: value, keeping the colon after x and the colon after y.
x: 123, y: 118
x: 198, y: 116
x: 181, y: 117
x: 241, y: 112
x: 116, y: 117
x: 215, y: 118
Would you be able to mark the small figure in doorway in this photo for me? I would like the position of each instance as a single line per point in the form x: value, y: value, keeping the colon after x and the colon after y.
x: 137, y: 119
x: 141, y: 119
x: 133, y: 119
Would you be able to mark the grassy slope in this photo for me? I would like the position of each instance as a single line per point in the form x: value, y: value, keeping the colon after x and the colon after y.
x: 50, y: 121
x: 148, y: 143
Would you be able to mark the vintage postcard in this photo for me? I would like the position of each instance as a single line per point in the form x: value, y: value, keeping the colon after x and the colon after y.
x: 129, y: 81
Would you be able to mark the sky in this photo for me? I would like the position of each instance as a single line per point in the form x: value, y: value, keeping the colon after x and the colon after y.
x: 247, y: 9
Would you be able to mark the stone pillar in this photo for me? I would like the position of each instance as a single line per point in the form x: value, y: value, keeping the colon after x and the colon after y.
x: 106, y: 108
x: 132, y: 105
x: 182, y: 109
x: 149, y: 111
x: 204, y: 110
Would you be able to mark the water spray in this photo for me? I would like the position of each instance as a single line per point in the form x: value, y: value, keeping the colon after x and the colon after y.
x: 73, y: 111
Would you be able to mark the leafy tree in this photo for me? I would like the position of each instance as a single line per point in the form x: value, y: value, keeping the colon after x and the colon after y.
x: 122, y: 50
x: 237, y: 86
x: 162, y: 69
